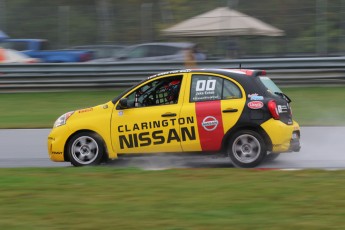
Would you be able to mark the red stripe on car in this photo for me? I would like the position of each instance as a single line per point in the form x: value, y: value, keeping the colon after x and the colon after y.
x: 210, y: 124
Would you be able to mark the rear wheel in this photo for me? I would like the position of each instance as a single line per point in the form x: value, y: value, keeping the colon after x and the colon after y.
x: 246, y: 149
x: 85, y: 148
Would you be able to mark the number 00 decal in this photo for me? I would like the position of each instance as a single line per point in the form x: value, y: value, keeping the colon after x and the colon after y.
x: 203, y: 85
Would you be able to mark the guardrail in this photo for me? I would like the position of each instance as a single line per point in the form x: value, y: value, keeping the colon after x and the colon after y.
x: 47, y: 76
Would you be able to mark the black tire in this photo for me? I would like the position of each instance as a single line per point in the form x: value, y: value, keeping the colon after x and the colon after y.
x: 246, y: 149
x: 85, y: 148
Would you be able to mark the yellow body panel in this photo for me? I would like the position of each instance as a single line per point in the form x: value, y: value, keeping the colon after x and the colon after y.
x: 280, y: 134
x: 147, y: 129
x: 144, y: 133
x: 56, y: 142
x: 96, y: 119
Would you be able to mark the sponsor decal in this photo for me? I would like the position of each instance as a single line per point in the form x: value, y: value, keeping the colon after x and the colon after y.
x: 209, y: 123
x: 141, y: 134
x: 120, y: 113
x: 170, y: 72
x: 282, y: 109
x: 255, y: 97
x: 252, y: 95
x: 105, y: 106
x: 255, y: 104
x: 56, y: 153
x: 85, y: 110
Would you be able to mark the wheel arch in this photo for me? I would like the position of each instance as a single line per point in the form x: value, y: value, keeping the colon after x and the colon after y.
x: 105, y: 155
x: 256, y: 128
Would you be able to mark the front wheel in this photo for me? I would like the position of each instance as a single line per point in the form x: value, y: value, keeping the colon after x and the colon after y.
x: 85, y: 148
x: 246, y: 149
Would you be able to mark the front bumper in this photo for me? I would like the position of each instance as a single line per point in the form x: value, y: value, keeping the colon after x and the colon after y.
x: 57, y: 139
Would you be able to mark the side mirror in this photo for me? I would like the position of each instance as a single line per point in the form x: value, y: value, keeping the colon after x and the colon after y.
x: 123, y: 103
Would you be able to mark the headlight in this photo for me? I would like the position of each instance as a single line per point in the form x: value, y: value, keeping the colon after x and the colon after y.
x: 62, y: 119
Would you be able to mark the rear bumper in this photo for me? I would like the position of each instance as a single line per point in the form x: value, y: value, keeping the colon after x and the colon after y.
x: 284, y: 138
x: 295, y: 145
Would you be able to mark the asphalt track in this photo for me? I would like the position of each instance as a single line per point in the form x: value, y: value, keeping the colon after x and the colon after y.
x: 322, y: 148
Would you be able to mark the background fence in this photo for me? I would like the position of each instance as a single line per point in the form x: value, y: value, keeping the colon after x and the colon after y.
x: 312, y: 27
x: 45, y: 77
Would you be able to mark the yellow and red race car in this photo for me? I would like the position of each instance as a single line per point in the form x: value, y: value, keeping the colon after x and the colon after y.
x: 238, y: 112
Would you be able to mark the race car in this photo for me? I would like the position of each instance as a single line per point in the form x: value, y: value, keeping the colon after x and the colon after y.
x: 238, y: 112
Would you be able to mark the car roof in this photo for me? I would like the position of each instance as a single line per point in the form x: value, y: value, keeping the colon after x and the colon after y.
x: 233, y: 72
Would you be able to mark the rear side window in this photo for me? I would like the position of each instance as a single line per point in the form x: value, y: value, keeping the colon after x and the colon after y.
x: 270, y: 85
x: 209, y: 88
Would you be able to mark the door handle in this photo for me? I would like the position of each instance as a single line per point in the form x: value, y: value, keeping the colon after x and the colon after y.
x: 169, y: 115
x: 230, y: 110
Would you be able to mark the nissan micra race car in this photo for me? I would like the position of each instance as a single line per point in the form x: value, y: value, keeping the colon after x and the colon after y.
x: 241, y: 113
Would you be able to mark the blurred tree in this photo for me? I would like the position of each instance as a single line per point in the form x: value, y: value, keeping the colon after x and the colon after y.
x: 76, y: 22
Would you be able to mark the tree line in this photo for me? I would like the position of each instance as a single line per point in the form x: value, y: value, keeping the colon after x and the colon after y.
x: 311, y: 26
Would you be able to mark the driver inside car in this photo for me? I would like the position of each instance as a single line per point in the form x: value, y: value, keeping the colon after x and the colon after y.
x: 156, y: 93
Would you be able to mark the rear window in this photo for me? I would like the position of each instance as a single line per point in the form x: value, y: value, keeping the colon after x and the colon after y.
x: 270, y: 85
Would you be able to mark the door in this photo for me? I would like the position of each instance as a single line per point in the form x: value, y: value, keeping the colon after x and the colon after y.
x: 151, y: 122
x: 217, y: 102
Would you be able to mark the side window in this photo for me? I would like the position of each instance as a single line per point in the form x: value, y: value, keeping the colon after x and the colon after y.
x: 159, y: 92
x: 209, y: 88
x: 230, y: 90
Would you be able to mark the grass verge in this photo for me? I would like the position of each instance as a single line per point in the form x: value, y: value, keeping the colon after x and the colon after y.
x: 110, y: 198
x: 311, y: 106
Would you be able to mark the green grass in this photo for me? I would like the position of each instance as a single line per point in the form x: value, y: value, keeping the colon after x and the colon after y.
x: 40, y: 110
x: 110, y: 198
x: 311, y: 106
x: 318, y: 105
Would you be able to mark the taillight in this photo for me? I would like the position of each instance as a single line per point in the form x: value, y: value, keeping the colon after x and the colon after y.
x: 272, y: 107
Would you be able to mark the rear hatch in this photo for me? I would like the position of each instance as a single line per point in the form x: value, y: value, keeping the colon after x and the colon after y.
x: 280, y: 105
